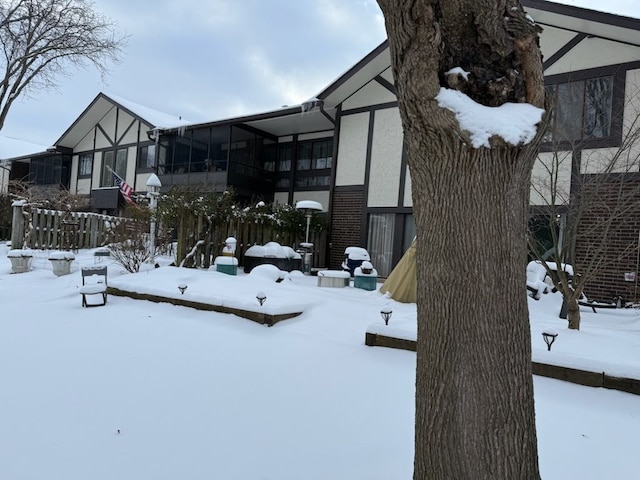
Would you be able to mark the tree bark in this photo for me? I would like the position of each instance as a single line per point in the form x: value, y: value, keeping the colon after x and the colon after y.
x: 474, y: 394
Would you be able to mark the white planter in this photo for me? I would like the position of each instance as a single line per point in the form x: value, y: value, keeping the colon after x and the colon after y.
x: 61, y: 267
x: 61, y: 262
x: 20, y: 264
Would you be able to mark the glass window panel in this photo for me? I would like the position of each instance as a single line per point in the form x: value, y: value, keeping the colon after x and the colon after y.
x: 282, y: 183
x: 147, y: 157
x: 303, y: 164
x: 409, y: 231
x: 284, y: 158
x: 570, y: 97
x: 598, y: 101
x: 106, y: 179
x: 85, y: 165
x: 121, y: 162
x: 380, y: 241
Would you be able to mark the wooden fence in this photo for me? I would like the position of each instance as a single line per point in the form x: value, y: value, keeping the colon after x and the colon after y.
x: 44, y: 229
x: 193, y: 229
x: 56, y: 230
x: 248, y: 234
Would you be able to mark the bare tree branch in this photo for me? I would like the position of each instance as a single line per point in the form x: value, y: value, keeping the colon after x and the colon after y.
x: 44, y: 39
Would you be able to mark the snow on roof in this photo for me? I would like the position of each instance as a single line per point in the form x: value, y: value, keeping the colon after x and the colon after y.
x: 154, y: 117
x: 13, y: 147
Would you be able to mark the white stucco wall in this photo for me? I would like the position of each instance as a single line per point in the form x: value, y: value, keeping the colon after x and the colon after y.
x: 352, y: 149
x: 371, y: 94
x: 552, y: 39
x: 386, y: 159
x: 126, y: 123
x: 84, y: 186
x: 387, y: 75
x: 615, y: 160
x: 541, y: 178
x: 86, y: 143
x: 594, y: 52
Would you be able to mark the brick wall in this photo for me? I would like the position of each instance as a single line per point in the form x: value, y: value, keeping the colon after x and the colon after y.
x: 345, y: 224
x: 621, y: 241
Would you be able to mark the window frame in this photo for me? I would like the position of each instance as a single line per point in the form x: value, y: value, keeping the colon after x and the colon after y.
x: 84, y: 158
x: 117, y: 164
x: 149, y: 163
x: 618, y: 75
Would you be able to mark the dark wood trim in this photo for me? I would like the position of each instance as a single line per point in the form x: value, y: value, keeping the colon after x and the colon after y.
x: 395, y: 210
x: 113, y: 144
x: 126, y: 130
x: 332, y: 185
x: 292, y: 170
x: 364, y: 227
x: 590, y: 73
x: 619, y: 74
x: 386, y: 84
x: 349, y: 188
x: 353, y: 70
x: 566, y: 48
x: 584, y: 13
x: 370, y: 108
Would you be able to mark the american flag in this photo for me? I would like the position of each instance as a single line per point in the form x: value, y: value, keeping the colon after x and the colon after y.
x: 124, y: 187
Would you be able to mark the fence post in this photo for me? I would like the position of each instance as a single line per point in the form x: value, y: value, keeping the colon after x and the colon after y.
x: 17, y: 225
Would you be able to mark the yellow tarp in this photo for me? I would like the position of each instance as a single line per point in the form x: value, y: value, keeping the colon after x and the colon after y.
x: 401, y: 283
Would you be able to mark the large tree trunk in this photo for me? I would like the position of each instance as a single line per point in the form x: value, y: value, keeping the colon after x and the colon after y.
x: 474, y: 393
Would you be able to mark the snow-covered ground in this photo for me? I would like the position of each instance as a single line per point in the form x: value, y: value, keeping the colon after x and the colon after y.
x: 141, y: 390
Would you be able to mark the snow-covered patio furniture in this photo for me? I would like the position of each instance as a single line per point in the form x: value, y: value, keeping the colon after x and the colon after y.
x: 226, y: 264
x: 365, y: 277
x: 333, y: 278
x: 353, y: 258
x: 536, y: 275
x: 93, y: 286
x: 272, y: 253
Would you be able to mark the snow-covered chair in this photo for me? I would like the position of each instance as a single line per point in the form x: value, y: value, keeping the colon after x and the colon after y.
x: 536, y: 274
x: 96, y: 286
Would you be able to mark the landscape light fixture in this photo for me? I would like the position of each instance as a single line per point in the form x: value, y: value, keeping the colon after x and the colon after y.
x: 549, y: 337
x: 385, y: 313
x: 182, y: 287
x: 261, y: 297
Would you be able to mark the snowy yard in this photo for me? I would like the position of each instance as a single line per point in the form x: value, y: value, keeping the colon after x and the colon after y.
x: 141, y: 390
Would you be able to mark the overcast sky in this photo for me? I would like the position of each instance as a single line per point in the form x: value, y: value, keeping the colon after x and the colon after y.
x: 213, y: 59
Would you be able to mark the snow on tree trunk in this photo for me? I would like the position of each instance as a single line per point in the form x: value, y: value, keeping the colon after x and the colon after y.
x: 474, y: 392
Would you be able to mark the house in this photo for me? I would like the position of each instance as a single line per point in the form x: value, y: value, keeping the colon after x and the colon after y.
x: 344, y: 148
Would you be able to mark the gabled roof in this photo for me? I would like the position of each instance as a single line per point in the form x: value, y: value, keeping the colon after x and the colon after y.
x: 287, y: 120
x: 101, y: 105
x: 357, y: 76
x: 592, y: 22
